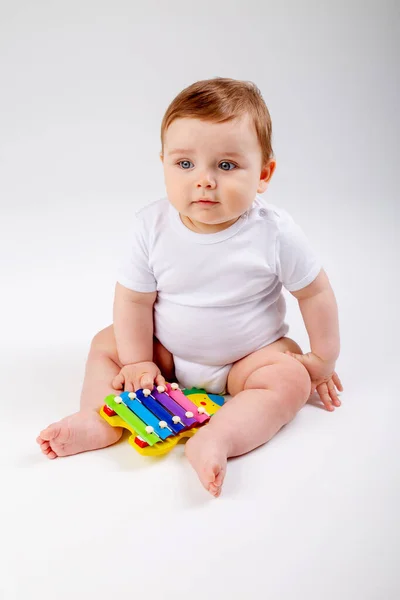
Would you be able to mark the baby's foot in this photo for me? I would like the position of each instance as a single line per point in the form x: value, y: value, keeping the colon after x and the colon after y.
x: 208, y: 457
x: 80, y: 432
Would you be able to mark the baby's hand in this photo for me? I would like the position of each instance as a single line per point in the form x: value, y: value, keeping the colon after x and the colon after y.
x: 323, y: 378
x: 138, y: 376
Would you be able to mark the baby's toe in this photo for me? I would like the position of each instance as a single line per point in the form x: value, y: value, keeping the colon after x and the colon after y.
x: 48, y: 450
x: 219, y: 477
x: 215, y: 490
x: 215, y: 477
x: 44, y: 441
x: 51, y: 432
x: 211, y: 470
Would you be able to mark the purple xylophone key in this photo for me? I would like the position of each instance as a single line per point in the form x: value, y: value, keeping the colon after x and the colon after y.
x: 173, y: 407
x: 177, y: 395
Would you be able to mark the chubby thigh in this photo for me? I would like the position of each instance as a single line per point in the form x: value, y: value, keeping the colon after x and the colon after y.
x: 250, y: 372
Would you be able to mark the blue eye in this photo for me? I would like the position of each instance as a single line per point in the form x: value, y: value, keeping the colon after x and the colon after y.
x: 184, y: 161
x: 225, y: 162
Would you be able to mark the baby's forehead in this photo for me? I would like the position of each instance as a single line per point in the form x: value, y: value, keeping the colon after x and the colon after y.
x: 237, y: 135
x: 239, y: 122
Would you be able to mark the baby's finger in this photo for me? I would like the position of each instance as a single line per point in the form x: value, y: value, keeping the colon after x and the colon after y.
x: 333, y: 393
x: 313, y: 388
x: 129, y: 387
x: 161, y: 381
x: 118, y: 381
x: 325, y: 397
x: 337, y: 381
x: 145, y: 381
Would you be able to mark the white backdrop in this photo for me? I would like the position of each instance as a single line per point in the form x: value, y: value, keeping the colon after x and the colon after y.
x: 83, y: 88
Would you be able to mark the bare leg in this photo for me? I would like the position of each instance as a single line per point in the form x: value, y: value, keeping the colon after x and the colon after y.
x: 268, y: 389
x: 86, y: 430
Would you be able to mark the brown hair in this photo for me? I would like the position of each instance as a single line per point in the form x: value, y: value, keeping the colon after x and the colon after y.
x: 222, y: 99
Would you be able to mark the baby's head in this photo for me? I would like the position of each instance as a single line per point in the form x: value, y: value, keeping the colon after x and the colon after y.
x: 216, y: 144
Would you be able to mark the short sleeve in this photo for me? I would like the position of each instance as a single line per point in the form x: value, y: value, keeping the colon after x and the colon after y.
x: 297, y: 265
x: 134, y: 271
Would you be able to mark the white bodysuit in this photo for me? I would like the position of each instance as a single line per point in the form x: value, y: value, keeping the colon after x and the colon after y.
x: 219, y: 295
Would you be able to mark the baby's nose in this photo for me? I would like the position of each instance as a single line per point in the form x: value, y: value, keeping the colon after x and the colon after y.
x: 206, y: 181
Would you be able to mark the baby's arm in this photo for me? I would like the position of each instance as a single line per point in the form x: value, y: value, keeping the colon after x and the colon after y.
x: 133, y: 324
x: 318, y: 307
x: 133, y: 329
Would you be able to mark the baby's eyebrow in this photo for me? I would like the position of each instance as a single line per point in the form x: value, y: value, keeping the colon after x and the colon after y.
x: 192, y: 151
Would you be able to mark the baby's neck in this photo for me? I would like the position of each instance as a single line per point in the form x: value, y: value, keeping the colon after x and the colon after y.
x: 199, y: 227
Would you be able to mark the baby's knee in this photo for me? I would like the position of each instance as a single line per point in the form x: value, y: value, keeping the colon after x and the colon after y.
x: 295, y: 377
x: 286, y: 376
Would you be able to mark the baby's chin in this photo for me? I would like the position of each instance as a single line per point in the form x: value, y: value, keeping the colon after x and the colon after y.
x: 215, y: 215
x: 200, y: 224
x: 226, y: 220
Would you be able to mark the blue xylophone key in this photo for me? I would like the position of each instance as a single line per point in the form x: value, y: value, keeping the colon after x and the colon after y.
x: 159, y: 411
x: 145, y: 415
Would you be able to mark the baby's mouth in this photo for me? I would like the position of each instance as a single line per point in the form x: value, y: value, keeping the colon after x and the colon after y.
x: 206, y: 202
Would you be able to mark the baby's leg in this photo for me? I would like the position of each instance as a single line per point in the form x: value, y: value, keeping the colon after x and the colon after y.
x: 86, y: 430
x: 268, y: 389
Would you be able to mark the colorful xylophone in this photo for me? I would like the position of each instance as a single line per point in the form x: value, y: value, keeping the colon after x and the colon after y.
x: 158, y: 419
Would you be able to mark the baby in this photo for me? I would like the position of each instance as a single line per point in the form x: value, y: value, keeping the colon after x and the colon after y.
x: 198, y: 298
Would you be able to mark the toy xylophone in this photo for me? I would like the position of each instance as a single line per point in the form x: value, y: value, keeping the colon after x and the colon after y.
x: 158, y: 419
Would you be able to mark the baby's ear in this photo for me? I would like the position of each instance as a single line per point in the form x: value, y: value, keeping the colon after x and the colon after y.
x: 265, y: 176
x: 161, y: 157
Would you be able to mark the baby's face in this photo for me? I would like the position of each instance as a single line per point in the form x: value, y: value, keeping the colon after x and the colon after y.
x: 218, y: 161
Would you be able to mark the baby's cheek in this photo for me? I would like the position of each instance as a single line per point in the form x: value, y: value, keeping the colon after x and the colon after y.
x: 239, y: 203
